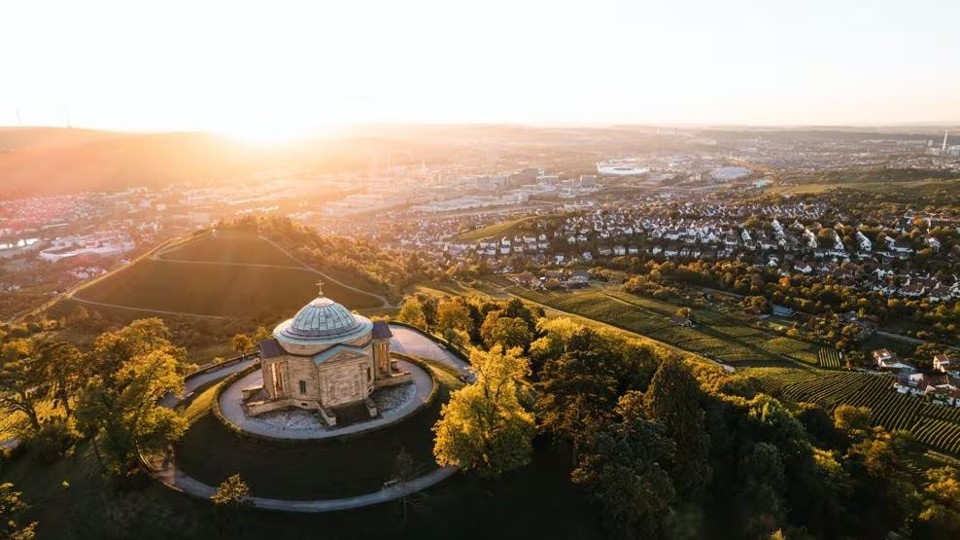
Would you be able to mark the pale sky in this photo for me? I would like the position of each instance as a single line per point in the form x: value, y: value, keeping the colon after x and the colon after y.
x: 280, y: 67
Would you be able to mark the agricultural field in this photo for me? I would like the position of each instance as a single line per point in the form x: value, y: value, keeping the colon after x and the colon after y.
x: 829, y: 358
x: 206, y: 277
x: 902, y: 348
x: 716, y: 335
x: 936, y: 426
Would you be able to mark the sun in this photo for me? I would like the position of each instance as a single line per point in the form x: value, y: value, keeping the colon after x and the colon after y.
x: 271, y: 131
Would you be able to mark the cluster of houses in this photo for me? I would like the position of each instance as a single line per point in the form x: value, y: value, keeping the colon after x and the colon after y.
x: 519, y: 244
x: 863, y: 257
x: 941, y: 385
x: 552, y: 279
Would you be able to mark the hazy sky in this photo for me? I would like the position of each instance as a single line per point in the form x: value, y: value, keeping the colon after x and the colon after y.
x: 282, y: 67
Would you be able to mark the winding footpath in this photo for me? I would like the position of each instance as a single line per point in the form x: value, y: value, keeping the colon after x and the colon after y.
x: 405, y: 340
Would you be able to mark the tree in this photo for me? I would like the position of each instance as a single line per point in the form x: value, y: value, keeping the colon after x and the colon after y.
x: 241, y: 343
x: 940, y: 517
x: 489, y: 323
x: 411, y: 312
x: 673, y: 401
x: 855, y: 421
x: 484, y: 426
x: 623, y: 472
x: 23, y: 382
x: 121, y: 409
x: 66, y: 369
x: 261, y: 334
x: 453, y: 314
x: 232, y: 493
x: 231, y: 499
x: 579, y: 390
x: 12, y: 509
x: 142, y: 336
x: 760, y: 499
x: 510, y: 332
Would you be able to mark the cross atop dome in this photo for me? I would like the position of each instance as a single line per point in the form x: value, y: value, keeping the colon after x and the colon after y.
x: 319, y: 287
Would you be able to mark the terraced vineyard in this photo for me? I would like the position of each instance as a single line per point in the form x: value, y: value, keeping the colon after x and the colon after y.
x: 936, y: 426
x: 943, y: 435
x: 829, y: 357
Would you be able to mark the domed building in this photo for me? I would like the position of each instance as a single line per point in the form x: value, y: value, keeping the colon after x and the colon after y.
x: 323, y: 359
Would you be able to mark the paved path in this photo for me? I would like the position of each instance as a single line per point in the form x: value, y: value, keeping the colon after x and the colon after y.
x: 231, y: 405
x: 10, y: 443
x: 193, y: 383
x: 177, y: 479
x: 415, y: 343
x: 411, y: 342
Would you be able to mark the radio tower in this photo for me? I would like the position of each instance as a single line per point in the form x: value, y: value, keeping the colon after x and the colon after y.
x: 943, y: 149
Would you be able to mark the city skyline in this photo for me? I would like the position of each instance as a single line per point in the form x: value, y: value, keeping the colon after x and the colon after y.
x: 293, y: 68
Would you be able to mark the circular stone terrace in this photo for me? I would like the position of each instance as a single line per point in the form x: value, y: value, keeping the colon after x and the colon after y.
x: 405, y: 341
x: 394, y: 403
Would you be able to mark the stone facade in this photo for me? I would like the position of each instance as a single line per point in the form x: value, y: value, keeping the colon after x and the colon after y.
x: 325, y: 357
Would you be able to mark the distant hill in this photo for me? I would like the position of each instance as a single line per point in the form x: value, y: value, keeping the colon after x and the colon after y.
x: 49, y: 161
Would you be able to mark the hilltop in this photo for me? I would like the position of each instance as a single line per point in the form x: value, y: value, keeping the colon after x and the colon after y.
x: 230, y: 275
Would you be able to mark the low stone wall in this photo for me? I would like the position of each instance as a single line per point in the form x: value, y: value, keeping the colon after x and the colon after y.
x: 218, y: 414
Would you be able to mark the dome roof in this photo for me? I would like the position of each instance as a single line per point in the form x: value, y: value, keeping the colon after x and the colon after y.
x: 322, y: 318
x: 319, y: 323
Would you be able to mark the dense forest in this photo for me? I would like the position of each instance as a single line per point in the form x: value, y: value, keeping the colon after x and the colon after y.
x: 670, y: 447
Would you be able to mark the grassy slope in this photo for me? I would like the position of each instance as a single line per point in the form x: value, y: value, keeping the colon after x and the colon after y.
x: 537, y: 501
x: 496, y: 231
x: 717, y: 335
x: 220, y: 290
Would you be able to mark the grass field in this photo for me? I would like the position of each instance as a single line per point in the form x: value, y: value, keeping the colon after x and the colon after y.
x: 232, y: 289
x: 229, y: 248
x: 936, y: 426
x: 720, y: 336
